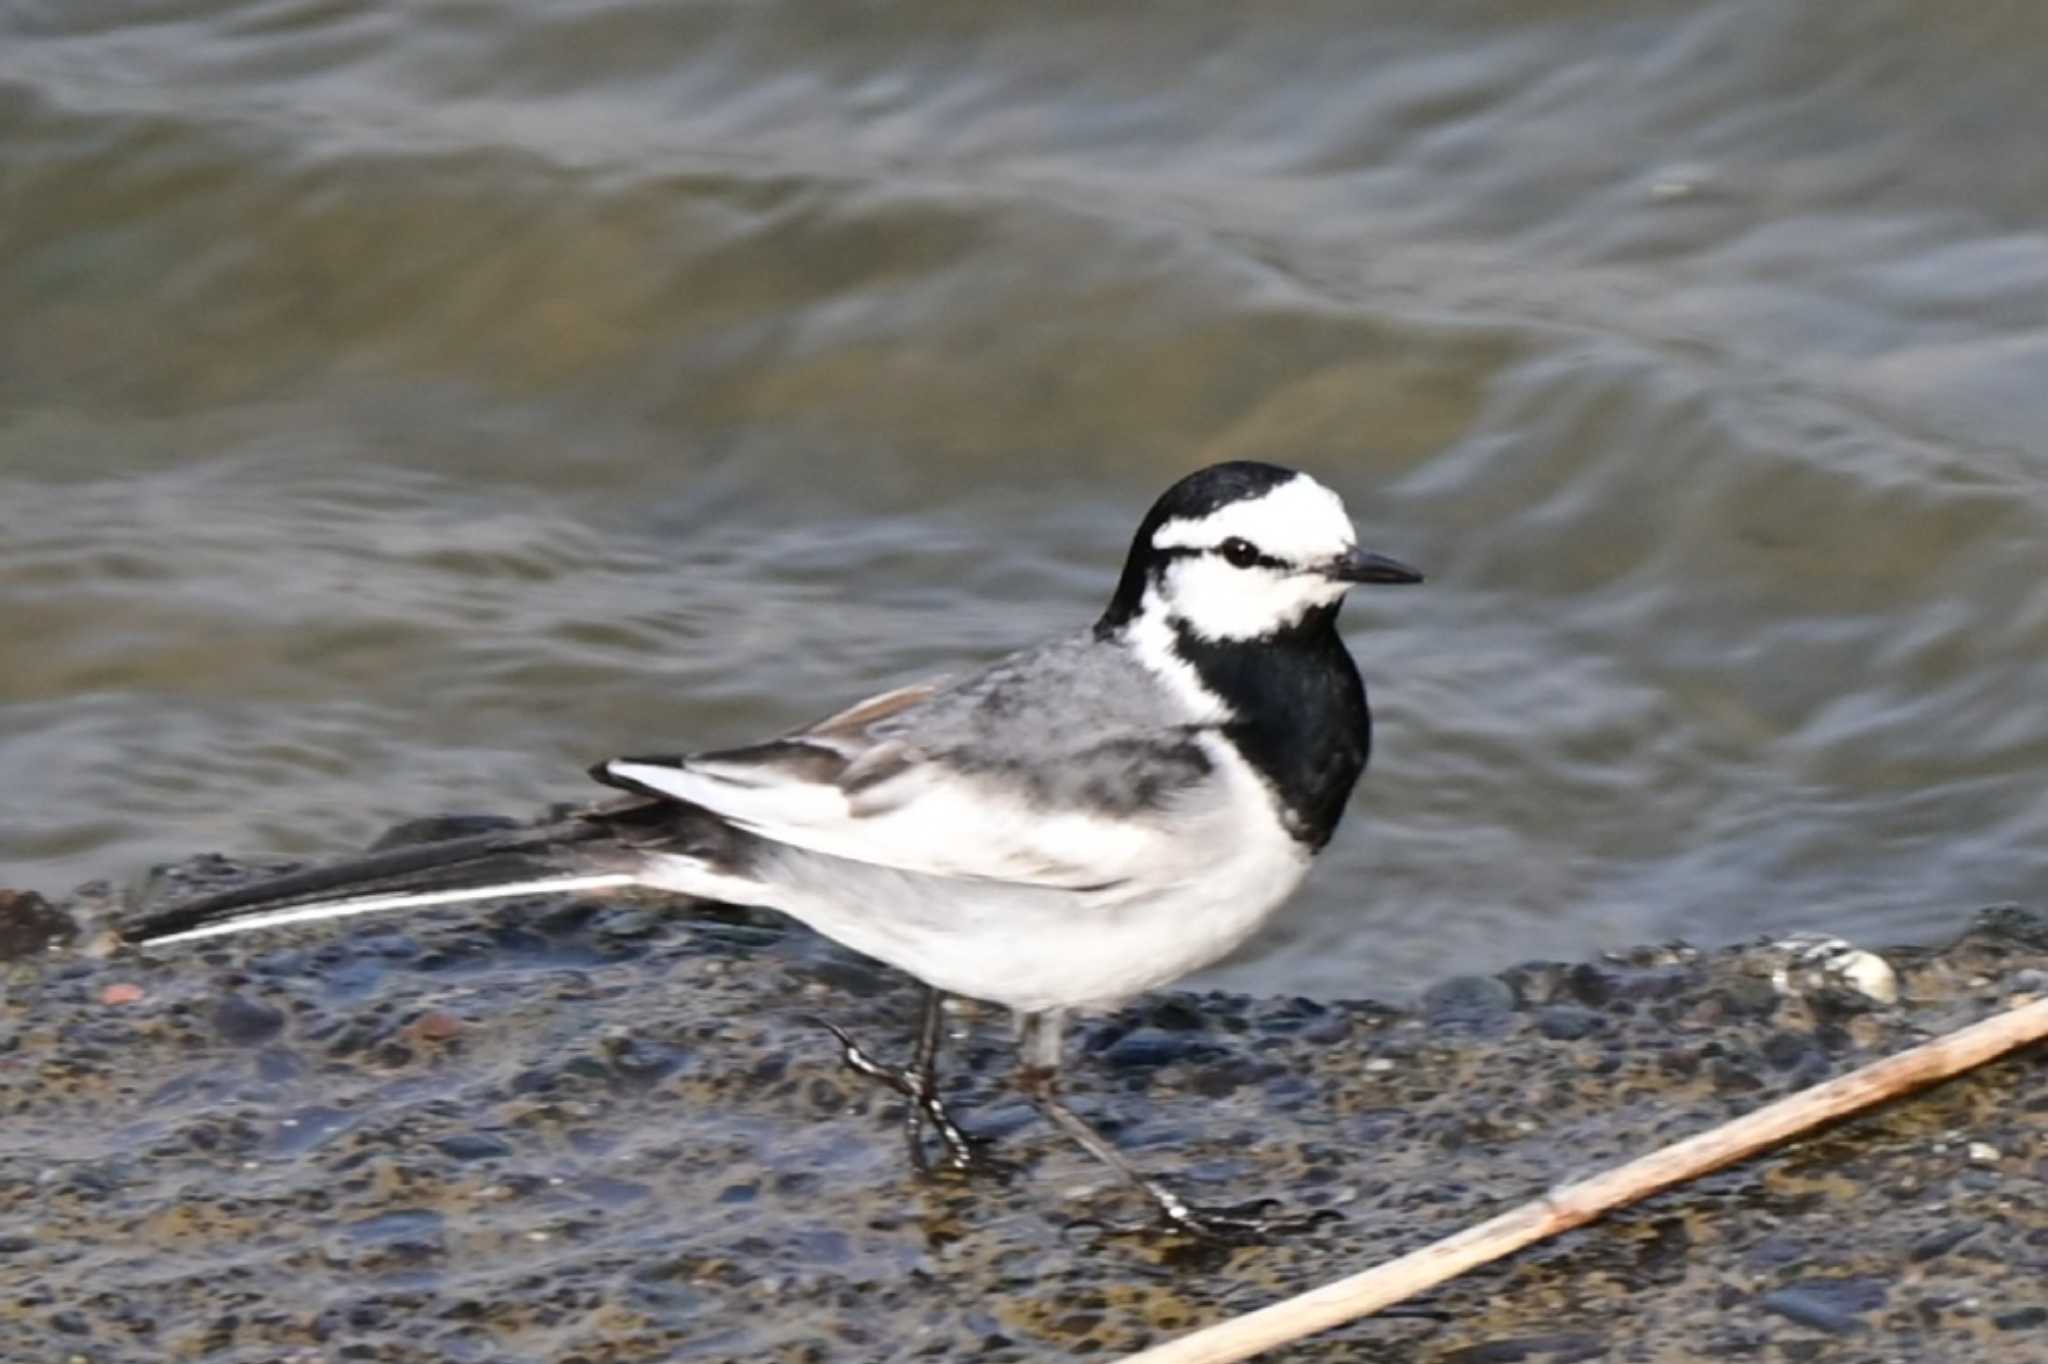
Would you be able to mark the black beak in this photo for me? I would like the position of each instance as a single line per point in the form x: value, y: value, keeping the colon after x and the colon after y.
x: 1363, y: 566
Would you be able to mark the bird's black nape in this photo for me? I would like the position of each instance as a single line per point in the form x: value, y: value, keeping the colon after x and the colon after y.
x: 1195, y: 496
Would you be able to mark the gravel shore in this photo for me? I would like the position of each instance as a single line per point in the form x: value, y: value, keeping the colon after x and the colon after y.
x: 573, y: 1132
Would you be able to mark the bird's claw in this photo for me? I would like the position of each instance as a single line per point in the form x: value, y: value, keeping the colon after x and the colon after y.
x: 1239, y: 1224
x: 964, y: 1154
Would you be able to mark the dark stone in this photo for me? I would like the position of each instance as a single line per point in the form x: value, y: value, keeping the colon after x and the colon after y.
x: 1941, y: 1242
x: 1733, y: 1079
x: 1733, y: 1344
x: 1176, y: 1015
x: 1784, y: 1050
x: 533, y: 1081
x: 1568, y: 1022
x: 1683, y: 1064
x: 1468, y: 1001
x: 1749, y: 997
x: 398, y: 1228
x: 1291, y: 1017
x: 1215, y: 1081
x: 1143, y: 1048
x: 243, y: 1020
x: 29, y: 925
x: 1667, y: 1251
x: 2016, y: 923
x: 472, y: 1146
x: 1774, y: 1252
x: 2026, y: 1319
x: 1830, y: 1305
x: 642, y: 1061
x: 1590, y: 984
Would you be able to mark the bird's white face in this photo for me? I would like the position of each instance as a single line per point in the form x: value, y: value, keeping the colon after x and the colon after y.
x: 1256, y: 566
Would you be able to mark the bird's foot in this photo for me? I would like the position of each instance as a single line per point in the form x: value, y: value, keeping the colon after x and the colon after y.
x: 1236, y: 1224
x: 1220, y: 1228
x: 1257, y: 1222
x: 964, y: 1154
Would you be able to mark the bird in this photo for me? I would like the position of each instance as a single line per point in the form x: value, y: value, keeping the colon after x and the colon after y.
x: 1061, y: 829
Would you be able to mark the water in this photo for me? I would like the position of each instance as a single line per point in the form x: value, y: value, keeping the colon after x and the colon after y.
x: 402, y: 407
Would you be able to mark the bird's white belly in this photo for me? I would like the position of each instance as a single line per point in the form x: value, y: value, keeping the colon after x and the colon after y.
x: 1032, y: 948
x: 1086, y: 954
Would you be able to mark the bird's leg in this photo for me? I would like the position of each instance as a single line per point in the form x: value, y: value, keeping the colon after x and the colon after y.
x: 919, y: 1083
x: 925, y: 1104
x: 1038, y: 1077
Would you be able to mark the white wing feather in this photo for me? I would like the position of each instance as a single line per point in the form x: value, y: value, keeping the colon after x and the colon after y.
x: 856, y: 785
x: 935, y: 821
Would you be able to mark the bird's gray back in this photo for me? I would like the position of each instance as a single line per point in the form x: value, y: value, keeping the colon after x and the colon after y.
x: 1077, y: 722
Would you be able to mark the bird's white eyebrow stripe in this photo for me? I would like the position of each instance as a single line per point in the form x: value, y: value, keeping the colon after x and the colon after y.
x: 1299, y: 513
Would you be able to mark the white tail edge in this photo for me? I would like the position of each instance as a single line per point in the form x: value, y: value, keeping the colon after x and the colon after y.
x: 374, y: 904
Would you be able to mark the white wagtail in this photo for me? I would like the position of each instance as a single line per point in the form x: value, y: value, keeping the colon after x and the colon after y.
x: 1064, y: 828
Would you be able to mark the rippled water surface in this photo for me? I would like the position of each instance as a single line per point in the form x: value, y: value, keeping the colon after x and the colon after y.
x: 402, y: 406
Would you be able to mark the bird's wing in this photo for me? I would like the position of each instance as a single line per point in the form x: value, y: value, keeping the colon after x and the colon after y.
x: 900, y: 781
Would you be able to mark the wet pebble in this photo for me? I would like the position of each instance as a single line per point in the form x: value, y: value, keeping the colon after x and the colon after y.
x: 30, y: 925
x: 641, y: 1060
x: 1468, y: 1001
x: 1784, y: 1050
x: 472, y: 1146
x: 1832, y: 1305
x: 1941, y: 1242
x: 242, y: 1020
x: 1150, y: 1047
x: 1224, y: 1077
x: 1175, y: 1015
x: 1663, y: 981
x: 1568, y: 1022
x: 2022, y: 924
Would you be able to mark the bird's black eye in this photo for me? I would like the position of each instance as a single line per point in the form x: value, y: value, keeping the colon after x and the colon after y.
x: 1240, y: 552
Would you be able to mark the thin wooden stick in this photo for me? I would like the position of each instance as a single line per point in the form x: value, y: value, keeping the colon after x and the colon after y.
x: 1576, y: 1204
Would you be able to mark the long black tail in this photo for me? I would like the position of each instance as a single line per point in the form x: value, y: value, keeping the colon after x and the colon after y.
x: 591, y: 851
